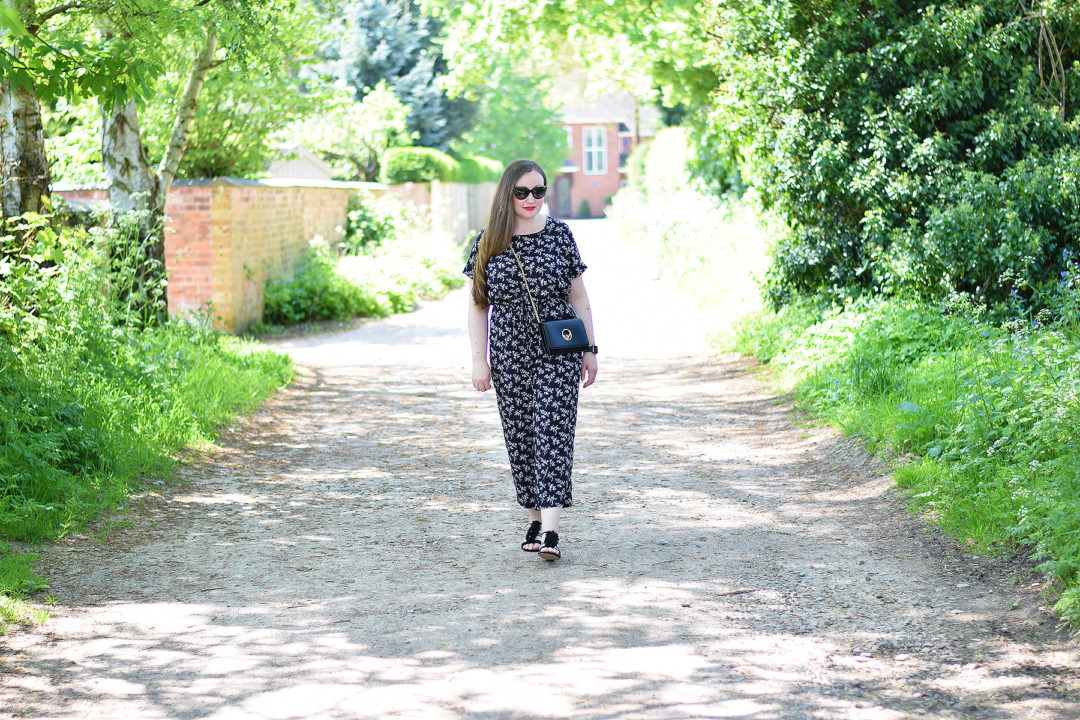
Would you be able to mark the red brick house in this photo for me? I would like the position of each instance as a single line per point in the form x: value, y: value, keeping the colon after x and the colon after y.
x: 601, y: 131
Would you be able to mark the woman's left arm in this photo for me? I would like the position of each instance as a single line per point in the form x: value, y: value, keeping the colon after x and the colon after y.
x: 579, y: 300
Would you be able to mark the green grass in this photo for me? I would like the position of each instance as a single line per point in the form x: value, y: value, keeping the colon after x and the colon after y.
x: 415, y: 266
x: 18, y: 579
x: 984, y: 416
x: 92, y: 401
x: 85, y: 421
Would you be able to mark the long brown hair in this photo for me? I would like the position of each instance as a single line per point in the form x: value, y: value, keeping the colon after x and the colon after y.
x: 500, y: 227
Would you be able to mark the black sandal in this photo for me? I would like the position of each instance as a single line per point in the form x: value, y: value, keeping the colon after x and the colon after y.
x: 530, y: 536
x: 549, y: 548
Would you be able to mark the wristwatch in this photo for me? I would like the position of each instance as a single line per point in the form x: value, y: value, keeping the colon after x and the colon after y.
x: 592, y: 349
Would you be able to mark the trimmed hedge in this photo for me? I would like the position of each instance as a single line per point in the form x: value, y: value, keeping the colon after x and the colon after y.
x: 417, y: 164
x: 478, y: 169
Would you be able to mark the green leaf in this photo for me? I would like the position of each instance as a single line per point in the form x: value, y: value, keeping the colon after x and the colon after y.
x: 11, y: 21
x: 910, y: 407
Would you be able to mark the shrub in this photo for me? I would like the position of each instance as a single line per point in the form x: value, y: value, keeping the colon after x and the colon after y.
x: 659, y: 168
x: 584, y: 210
x: 377, y: 279
x: 911, y: 148
x: 478, y: 170
x: 712, y: 249
x: 317, y: 292
x: 417, y: 164
x: 417, y: 265
x: 369, y: 223
x: 400, y: 278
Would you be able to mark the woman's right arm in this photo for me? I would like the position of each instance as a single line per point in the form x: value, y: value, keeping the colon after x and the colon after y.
x: 478, y: 336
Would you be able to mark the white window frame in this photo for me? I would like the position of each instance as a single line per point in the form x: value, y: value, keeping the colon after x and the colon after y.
x: 594, y: 150
x: 569, y: 136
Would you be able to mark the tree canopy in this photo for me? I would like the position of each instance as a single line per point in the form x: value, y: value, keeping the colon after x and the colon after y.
x: 666, y: 41
x: 243, y: 108
x: 353, y: 136
x: 909, y: 147
x: 513, y: 121
x: 915, y: 147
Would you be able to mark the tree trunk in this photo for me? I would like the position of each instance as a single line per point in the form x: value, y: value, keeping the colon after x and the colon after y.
x: 131, y: 184
x: 24, y: 169
x: 185, y: 114
x: 133, y: 187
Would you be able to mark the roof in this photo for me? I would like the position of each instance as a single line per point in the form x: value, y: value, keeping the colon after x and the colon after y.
x: 298, y: 163
x: 581, y: 103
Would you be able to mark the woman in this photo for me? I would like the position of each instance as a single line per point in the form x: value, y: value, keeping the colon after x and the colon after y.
x: 537, y: 393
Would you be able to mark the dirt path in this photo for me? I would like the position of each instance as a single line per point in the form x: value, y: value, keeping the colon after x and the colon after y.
x: 351, y: 552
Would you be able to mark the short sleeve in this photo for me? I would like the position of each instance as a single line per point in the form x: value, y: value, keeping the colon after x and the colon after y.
x: 573, y: 257
x: 470, y: 264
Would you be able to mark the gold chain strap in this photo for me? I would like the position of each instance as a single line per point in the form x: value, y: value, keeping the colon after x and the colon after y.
x: 522, y: 269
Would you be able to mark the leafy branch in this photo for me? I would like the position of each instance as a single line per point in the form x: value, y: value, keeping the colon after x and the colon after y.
x: 1051, y: 63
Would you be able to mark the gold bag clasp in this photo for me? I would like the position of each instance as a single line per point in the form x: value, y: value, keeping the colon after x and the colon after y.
x: 567, y: 335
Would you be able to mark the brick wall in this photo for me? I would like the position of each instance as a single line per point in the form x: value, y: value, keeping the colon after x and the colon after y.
x: 224, y: 238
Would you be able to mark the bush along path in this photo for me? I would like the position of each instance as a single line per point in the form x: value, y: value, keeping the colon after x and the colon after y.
x: 351, y: 551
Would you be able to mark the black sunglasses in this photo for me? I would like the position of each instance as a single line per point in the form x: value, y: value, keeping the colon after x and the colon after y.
x: 523, y: 192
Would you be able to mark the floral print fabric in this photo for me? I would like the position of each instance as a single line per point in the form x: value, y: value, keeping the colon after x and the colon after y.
x: 537, y: 393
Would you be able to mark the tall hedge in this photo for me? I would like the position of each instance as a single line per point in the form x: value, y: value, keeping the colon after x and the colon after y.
x: 913, y: 147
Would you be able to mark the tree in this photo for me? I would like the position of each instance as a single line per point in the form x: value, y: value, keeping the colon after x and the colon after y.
x: 912, y: 148
x: 352, y: 136
x: 112, y: 49
x: 238, y: 121
x: 667, y: 38
x: 47, y: 55
x: 22, y: 140
x: 250, y: 35
x: 511, y: 100
x: 657, y: 50
x: 909, y: 147
x: 73, y: 142
x: 133, y: 186
x: 392, y: 41
x: 241, y: 114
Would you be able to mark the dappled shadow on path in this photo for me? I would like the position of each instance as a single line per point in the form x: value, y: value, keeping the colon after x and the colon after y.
x: 351, y: 552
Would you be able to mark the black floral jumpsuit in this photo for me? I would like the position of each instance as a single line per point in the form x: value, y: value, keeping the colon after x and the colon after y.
x: 537, y: 393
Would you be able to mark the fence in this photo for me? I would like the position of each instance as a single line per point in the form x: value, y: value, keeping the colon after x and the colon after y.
x: 455, y: 208
x: 225, y: 237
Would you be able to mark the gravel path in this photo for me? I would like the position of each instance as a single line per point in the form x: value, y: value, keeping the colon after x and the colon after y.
x: 351, y: 552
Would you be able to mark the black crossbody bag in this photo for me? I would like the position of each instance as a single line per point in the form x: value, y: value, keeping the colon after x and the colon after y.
x: 559, y: 336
